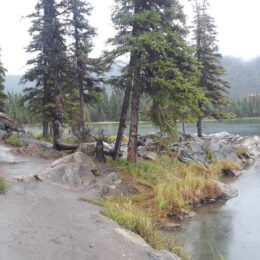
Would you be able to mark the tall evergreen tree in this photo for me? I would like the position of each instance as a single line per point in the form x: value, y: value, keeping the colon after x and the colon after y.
x: 208, y: 56
x: 85, y: 70
x: 2, y: 87
x: 144, y: 31
x: 49, y: 63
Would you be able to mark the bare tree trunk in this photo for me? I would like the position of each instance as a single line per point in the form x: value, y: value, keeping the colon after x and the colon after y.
x: 122, y: 125
x: 132, y: 145
x: 183, y: 127
x: 50, y: 129
x: 83, y: 115
x: 45, y: 129
x: 199, y: 126
x: 199, y: 121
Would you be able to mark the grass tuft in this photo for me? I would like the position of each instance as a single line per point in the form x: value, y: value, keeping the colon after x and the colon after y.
x: 14, y: 141
x: 112, y: 138
x: 128, y: 215
x: 2, y: 185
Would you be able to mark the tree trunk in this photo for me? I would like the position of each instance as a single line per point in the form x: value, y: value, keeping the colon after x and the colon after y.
x: 45, y: 129
x: 199, y: 121
x: 132, y: 145
x: 83, y: 116
x: 183, y: 127
x: 199, y: 126
x: 122, y: 124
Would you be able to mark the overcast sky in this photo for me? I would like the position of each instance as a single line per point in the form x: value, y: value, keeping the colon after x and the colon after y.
x: 238, y: 23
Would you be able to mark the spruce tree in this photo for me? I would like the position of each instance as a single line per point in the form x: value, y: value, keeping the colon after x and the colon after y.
x: 150, y: 31
x: 49, y: 63
x: 2, y: 87
x: 208, y: 56
x: 85, y: 70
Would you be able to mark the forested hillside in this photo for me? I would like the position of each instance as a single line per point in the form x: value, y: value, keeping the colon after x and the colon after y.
x: 244, y: 77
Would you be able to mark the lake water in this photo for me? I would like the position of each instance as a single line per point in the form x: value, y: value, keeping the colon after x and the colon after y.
x: 232, y: 229
x: 243, y: 127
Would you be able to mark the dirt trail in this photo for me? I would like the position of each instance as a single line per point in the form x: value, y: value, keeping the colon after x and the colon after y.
x: 39, y: 221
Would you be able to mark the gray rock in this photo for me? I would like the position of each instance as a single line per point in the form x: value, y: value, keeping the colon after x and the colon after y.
x: 27, y: 140
x: 148, y: 155
x: 73, y: 171
x: 232, y: 173
x: 170, y: 226
x: 87, y: 148
x: 162, y: 255
x: 227, y: 191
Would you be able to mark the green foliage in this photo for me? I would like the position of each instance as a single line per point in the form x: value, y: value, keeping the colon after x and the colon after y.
x: 14, y: 141
x: 18, y: 109
x: 2, y: 185
x: 247, y: 107
x: 49, y: 63
x: 208, y: 57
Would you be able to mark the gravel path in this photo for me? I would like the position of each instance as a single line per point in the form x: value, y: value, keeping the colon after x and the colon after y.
x: 39, y: 221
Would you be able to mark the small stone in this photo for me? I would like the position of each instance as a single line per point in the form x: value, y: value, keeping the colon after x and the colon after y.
x: 170, y: 226
x: 192, y: 214
x: 113, y: 187
x: 91, y: 245
x: 118, y: 182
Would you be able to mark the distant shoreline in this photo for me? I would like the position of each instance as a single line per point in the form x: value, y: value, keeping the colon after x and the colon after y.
x: 149, y: 122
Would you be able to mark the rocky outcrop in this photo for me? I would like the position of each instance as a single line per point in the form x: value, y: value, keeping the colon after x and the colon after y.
x: 227, y: 192
x: 73, y: 171
x: 221, y: 147
x: 8, y: 124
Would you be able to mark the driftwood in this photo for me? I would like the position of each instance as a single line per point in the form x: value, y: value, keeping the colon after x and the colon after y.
x: 58, y: 145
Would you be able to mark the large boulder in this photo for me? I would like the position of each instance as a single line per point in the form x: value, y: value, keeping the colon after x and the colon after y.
x: 73, y: 171
x: 88, y: 148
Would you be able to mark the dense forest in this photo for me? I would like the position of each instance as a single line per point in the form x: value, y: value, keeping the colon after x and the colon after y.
x: 166, y: 79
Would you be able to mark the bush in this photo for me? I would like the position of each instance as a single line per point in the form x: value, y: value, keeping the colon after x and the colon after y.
x: 14, y: 141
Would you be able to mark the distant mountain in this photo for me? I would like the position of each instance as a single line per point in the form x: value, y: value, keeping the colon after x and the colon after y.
x: 243, y: 76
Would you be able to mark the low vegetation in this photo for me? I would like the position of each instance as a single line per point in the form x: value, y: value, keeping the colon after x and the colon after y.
x: 14, y: 141
x: 136, y: 219
x: 166, y: 185
x: 2, y: 185
x: 163, y: 188
x: 112, y: 138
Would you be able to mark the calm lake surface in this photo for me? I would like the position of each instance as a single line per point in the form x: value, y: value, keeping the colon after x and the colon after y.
x: 243, y: 127
x: 232, y: 229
